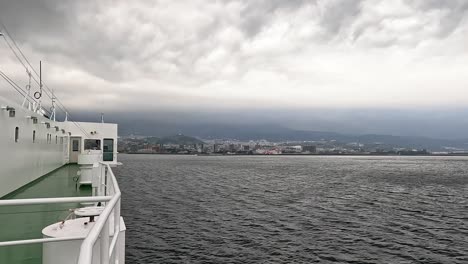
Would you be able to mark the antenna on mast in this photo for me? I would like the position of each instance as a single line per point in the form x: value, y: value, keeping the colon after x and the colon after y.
x: 38, y: 95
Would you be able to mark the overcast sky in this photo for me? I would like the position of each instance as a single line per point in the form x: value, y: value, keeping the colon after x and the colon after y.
x: 246, y: 54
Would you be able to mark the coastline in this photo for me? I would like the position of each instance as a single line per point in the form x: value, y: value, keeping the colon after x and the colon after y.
x: 300, y: 154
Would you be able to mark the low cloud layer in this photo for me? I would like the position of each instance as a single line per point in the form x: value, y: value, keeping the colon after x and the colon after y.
x: 256, y: 54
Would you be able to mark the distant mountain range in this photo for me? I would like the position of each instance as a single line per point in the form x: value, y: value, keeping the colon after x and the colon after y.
x: 175, y: 139
x: 277, y: 133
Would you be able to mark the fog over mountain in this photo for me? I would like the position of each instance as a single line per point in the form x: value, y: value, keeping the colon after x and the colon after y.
x: 435, y: 123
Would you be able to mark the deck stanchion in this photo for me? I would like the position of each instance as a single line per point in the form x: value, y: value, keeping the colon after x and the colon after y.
x: 105, y: 243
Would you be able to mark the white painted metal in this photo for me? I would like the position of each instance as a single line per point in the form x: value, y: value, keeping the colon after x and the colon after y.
x: 38, y: 241
x: 89, y: 211
x: 75, y: 149
x: 26, y: 160
x: 93, y: 131
x: 88, y: 162
x: 36, y: 146
x: 67, y: 252
x: 42, y: 145
x: 101, y: 227
x: 108, y: 229
x: 90, y: 157
x: 55, y: 200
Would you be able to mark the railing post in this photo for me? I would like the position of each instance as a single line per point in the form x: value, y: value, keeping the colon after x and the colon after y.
x: 116, y: 232
x: 106, y: 180
x: 101, y: 179
x: 105, y: 243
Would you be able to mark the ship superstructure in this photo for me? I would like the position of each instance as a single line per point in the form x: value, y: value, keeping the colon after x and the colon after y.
x: 34, y: 146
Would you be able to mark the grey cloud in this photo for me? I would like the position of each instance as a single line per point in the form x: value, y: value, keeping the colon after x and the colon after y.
x: 70, y: 31
x: 29, y: 19
x: 340, y: 14
x: 257, y: 14
x: 451, y: 13
x: 455, y: 12
x: 139, y: 44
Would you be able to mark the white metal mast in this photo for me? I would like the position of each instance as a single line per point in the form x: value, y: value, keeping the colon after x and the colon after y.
x: 28, y: 94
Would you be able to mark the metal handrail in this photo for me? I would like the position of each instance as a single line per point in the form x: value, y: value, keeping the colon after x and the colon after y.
x: 38, y: 241
x: 37, y: 201
x: 101, y: 227
x: 55, y: 200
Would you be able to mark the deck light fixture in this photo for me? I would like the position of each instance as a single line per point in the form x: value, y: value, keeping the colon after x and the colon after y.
x: 46, y: 123
x: 33, y: 118
x: 11, y: 110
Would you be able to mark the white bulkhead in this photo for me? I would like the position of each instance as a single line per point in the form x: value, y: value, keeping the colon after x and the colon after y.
x: 32, y: 145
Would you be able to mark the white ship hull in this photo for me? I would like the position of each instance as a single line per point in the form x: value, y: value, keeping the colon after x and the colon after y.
x: 32, y: 146
x: 23, y: 161
x: 31, y: 149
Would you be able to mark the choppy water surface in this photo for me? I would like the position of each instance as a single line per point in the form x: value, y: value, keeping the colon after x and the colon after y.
x: 244, y: 209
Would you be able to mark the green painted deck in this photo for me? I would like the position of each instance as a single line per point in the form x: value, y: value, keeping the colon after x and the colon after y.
x: 27, y: 222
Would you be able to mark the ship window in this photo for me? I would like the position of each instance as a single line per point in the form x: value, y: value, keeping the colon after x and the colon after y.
x: 16, y: 134
x: 94, y: 144
x: 34, y: 136
x: 108, y: 152
x: 75, y: 145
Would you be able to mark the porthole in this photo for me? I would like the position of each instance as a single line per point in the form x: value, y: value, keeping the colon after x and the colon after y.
x: 16, y: 134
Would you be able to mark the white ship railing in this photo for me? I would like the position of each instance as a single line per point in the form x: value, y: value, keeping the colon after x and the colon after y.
x: 101, y: 228
x: 108, y: 192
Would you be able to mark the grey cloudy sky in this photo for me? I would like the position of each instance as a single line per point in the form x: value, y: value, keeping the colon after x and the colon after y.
x: 260, y: 54
x: 238, y: 53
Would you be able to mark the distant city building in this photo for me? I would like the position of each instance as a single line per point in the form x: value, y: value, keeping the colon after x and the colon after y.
x: 292, y: 149
x: 310, y: 149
